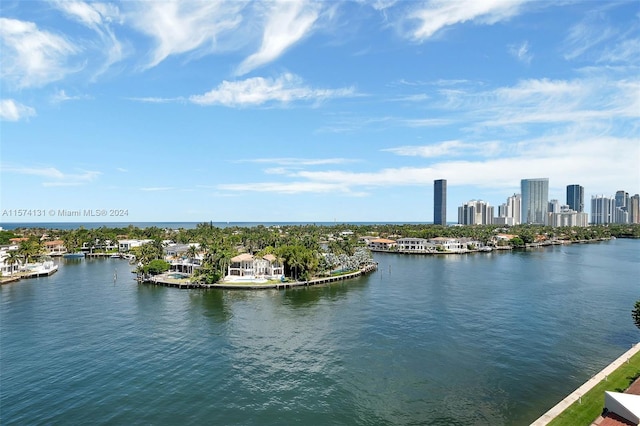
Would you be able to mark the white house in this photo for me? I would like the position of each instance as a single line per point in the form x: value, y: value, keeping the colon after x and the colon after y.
x: 447, y: 244
x: 55, y: 248
x: 414, y: 245
x: 381, y: 244
x: 248, y: 266
x: 6, y: 268
x: 126, y: 245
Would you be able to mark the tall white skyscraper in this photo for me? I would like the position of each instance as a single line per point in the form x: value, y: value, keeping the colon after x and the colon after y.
x: 602, y: 209
x: 535, y: 199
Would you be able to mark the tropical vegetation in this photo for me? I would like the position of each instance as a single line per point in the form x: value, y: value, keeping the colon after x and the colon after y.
x: 306, y: 250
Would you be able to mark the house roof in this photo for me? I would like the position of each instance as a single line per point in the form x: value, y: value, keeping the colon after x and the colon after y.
x: 53, y: 243
x: 269, y: 257
x: 382, y: 241
x: 242, y: 257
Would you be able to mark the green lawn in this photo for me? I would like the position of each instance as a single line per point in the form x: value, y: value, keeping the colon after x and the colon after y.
x: 585, y: 413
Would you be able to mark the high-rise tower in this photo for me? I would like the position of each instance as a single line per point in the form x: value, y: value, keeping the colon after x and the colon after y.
x: 440, y: 202
x: 575, y: 197
x: 535, y: 199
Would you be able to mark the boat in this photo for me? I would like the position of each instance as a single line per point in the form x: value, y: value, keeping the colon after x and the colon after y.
x: 115, y: 256
x: 39, y: 269
x: 78, y: 255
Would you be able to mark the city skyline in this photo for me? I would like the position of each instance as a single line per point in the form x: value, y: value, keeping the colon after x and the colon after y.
x: 312, y: 111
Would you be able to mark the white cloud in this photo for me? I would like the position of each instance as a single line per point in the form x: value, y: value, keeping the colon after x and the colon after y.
x: 586, y: 35
x: 427, y: 122
x: 54, y: 176
x: 290, y: 161
x: 98, y: 17
x: 258, y: 90
x: 178, y: 27
x: 626, y: 51
x: 61, y: 96
x: 11, y: 110
x: 32, y: 57
x: 447, y: 148
x: 157, y: 188
x: 287, y: 22
x: 285, y: 187
x: 521, y: 52
x: 438, y: 14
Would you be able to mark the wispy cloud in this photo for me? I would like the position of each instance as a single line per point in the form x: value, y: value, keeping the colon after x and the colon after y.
x: 98, y: 17
x: 10, y: 110
x: 521, y: 52
x: 447, y: 148
x: 435, y: 15
x: 157, y: 188
x: 53, y: 176
x: 290, y: 161
x: 32, y: 57
x: 285, y: 187
x: 624, y: 52
x: 62, y: 96
x: 155, y: 100
x: 287, y: 22
x: 178, y: 27
x: 544, y: 156
x: 259, y: 90
x: 586, y: 35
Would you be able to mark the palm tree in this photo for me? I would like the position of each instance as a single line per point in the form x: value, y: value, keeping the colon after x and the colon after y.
x: 12, y: 258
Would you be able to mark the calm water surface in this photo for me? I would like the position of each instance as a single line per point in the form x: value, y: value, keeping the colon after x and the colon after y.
x: 484, y: 339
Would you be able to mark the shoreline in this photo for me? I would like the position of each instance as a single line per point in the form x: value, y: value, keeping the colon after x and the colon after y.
x: 266, y: 286
x: 576, y: 395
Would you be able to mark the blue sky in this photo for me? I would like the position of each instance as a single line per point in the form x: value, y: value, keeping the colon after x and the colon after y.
x: 313, y: 111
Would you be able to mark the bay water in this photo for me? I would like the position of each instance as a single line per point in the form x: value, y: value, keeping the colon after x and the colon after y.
x: 483, y: 339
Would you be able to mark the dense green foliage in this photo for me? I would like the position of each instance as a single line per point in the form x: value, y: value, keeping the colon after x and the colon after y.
x: 5, y: 236
x: 305, y: 250
x: 155, y: 267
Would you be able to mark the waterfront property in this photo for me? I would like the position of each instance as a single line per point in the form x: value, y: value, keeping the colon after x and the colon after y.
x: 381, y: 244
x: 248, y: 267
x: 415, y: 245
x: 126, y: 245
x: 9, y: 263
x: 55, y: 247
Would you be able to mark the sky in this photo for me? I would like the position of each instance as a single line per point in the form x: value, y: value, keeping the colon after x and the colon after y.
x: 311, y: 111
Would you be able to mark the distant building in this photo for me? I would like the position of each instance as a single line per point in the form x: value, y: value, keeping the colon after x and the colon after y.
x: 622, y: 199
x: 475, y: 212
x: 553, y: 206
x: 602, y: 209
x: 575, y: 198
x: 567, y: 217
x: 621, y: 212
x: 381, y: 244
x: 634, y: 209
x: 535, y: 197
x: 126, y: 245
x: 415, y: 245
x: 440, y: 202
x: 509, y: 212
